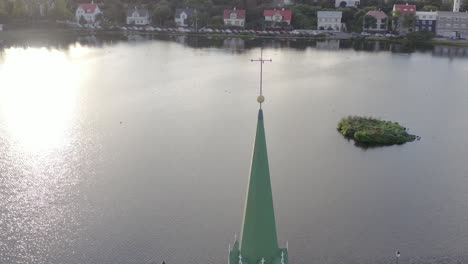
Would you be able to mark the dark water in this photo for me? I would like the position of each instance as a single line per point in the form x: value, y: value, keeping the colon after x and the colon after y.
x: 139, y: 151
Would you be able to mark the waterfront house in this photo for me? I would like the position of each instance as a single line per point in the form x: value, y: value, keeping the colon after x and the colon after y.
x: 89, y: 12
x: 347, y: 3
x: 234, y: 17
x: 277, y: 17
x: 425, y: 21
x: 138, y: 16
x: 329, y: 20
x: 182, y: 16
x: 404, y: 18
x: 381, y: 21
x: 452, y: 24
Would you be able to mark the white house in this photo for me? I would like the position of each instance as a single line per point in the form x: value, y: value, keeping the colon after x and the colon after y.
x: 234, y: 17
x: 329, y: 20
x: 138, y: 16
x: 88, y: 11
x: 347, y: 3
x: 182, y: 15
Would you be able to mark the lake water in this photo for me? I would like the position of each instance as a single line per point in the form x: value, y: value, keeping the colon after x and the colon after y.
x: 139, y: 151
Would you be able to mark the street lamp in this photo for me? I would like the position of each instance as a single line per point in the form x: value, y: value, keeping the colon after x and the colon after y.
x: 397, y: 254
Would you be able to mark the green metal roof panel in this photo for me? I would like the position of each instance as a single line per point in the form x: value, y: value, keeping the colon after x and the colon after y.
x: 259, y: 229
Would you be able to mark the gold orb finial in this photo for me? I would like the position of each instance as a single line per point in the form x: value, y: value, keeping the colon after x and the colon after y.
x: 260, y: 99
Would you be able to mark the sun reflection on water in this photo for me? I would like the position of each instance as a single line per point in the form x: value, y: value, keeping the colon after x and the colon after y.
x: 41, y: 151
x: 38, y: 97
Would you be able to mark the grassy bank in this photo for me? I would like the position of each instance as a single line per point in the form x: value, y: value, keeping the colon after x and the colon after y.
x: 371, y: 131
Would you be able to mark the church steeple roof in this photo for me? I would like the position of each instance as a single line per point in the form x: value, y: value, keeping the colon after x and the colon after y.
x: 258, y: 238
x: 259, y: 242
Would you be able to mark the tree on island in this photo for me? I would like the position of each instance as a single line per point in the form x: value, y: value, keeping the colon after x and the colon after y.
x: 369, y: 131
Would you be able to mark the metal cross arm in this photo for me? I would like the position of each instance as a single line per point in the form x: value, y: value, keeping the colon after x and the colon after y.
x: 261, y: 60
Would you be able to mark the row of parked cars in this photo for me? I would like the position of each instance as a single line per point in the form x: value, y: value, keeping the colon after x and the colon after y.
x: 208, y: 30
x: 378, y: 35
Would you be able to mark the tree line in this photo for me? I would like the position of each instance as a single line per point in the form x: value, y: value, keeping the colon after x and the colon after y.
x: 209, y: 12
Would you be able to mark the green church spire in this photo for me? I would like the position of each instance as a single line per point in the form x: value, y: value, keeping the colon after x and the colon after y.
x: 259, y: 243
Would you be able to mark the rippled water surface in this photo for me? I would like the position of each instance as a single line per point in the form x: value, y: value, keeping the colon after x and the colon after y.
x: 140, y: 152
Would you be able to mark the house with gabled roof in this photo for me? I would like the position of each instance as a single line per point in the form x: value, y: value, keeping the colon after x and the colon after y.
x: 138, y: 16
x: 381, y: 21
x: 276, y: 17
x: 404, y: 16
x: 330, y: 21
x: 89, y: 12
x: 234, y: 17
x: 182, y: 16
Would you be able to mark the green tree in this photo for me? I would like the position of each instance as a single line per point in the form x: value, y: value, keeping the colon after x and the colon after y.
x: 162, y: 12
x: 61, y: 10
x: 19, y: 9
x: 408, y: 20
x: 430, y: 8
x: 114, y: 11
x: 216, y: 21
x: 304, y: 16
x: 464, y: 6
x: 82, y: 20
x: 3, y: 11
x: 370, y: 22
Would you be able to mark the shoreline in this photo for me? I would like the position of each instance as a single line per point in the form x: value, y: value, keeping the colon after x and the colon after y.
x: 26, y: 34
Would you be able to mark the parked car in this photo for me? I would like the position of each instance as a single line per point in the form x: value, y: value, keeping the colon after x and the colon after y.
x: 365, y: 34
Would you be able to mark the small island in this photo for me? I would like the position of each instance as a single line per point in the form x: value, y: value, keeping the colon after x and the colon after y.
x: 369, y: 131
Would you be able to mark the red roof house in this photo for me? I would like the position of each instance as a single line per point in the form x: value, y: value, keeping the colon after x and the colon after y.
x: 87, y: 12
x: 234, y: 17
x: 278, y: 16
x: 88, y: 8
x: 404, y: 9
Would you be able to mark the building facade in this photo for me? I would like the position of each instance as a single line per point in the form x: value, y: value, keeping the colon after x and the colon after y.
x: 452, y: 24
x: 89, y: 12
x: 403, y: 13
x: 138, y: 16
x: 329, y: 20
x: 381, y: 24
x: 347, y: 3
x: 234, y: 17
x: 182, y: 16
x: 425, y: 21
x: 274, y: 17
